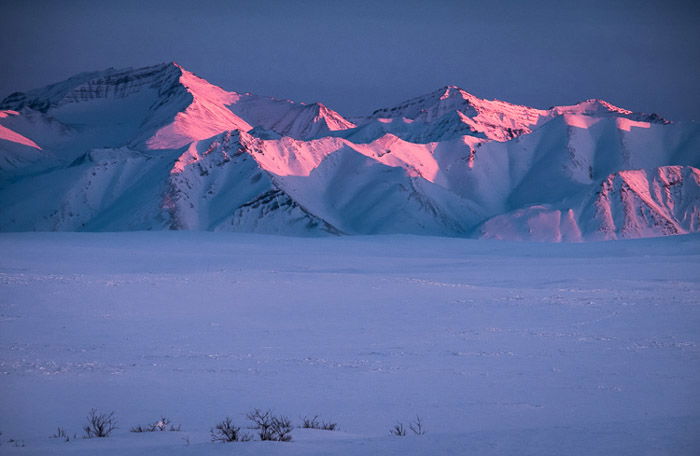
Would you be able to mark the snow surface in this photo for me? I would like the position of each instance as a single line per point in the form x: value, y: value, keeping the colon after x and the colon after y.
x: 502, y: 348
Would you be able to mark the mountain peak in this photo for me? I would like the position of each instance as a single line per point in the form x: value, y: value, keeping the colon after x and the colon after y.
x: 430, y: 106
x: 497, y: 120
x: 598, y: 107
x: 453, y: 91
x: 592, y: 106
x: 100, y: 156
x: 87, y: 86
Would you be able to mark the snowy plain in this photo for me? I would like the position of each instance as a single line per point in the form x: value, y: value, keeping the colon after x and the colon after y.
x: 500, y: 347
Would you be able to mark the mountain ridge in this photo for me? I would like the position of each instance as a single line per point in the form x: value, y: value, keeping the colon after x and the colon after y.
x: 162, y: 148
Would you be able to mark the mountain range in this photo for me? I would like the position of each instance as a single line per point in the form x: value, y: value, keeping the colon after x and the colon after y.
x: 160, y: 148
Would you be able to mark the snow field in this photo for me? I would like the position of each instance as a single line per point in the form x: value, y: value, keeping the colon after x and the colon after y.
x: 500, y: 347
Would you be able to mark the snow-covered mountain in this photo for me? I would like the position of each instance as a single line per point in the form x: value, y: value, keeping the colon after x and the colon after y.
x: 161, y: 148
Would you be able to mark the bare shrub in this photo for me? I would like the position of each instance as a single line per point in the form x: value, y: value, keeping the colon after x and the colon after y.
x: 282, y: 429
x: 100, y: 424
x: 163, y: 424
x: 61, y: 434
x: 310, y: 423
x: 314, y: 423
x: 226, y: 431
x: 262, y: 422
x: 17, y: 443
x: 417, y: 426
x: 271, y: 427
x: 398, y: 430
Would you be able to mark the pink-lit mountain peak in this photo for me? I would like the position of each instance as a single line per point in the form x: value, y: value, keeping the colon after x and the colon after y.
x: 79, y: 154
x: 453, y: 94
x: 598, y: 108
x: 494, y: 119
x: 172, y: 86
x: 592, y: 106
x: 430, y: 106
x: 201, y: 88
x: 166, y: 106
x: 283, y: 117
x: 454, y: 97
x: 459, y: 111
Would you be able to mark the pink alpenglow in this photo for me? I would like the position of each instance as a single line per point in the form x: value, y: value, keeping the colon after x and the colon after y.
x: 161, y: 148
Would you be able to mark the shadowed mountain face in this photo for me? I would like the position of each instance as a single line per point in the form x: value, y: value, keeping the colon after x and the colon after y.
x: 160, y: 148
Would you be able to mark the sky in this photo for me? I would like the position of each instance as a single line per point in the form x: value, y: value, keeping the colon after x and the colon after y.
x: 357, y: 56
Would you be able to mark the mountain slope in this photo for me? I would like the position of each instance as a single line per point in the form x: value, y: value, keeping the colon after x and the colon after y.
x: 163, y: 107
x: 643, y: 203
x: 161, y: 148
x: 493, y: 119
